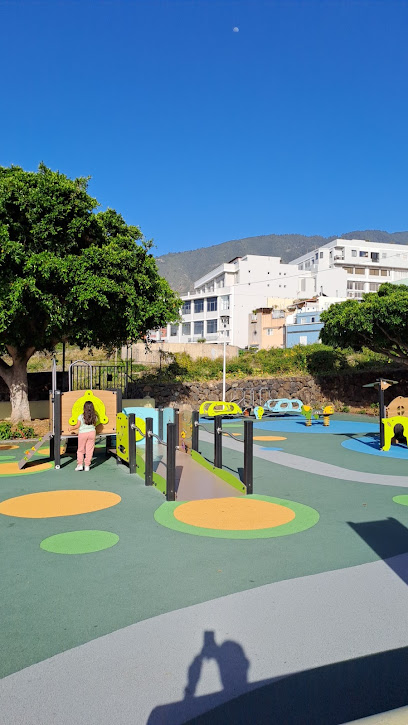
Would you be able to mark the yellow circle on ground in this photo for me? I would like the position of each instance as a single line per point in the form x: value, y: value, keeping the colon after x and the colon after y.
x: 238, y: 514
x: 8, y: 447
x: 11, y: 469
x: 46, y: 451
x: 269, y: 438
x: 50, y: 504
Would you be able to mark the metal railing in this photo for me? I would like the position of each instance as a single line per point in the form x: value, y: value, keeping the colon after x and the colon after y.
x: 86, y: 376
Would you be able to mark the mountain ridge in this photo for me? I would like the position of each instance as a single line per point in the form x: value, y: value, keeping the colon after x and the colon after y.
x: 181, y: 269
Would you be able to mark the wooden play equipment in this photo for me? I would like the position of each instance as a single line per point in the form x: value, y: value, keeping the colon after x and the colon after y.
x: 64, y: 411
x: 212, y: 408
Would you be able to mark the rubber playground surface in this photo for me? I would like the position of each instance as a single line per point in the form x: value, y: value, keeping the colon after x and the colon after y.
x: 288, y: 606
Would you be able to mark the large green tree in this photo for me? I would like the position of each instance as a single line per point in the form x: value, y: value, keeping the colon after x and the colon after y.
x: 379, y: 322
x: 69, y: 274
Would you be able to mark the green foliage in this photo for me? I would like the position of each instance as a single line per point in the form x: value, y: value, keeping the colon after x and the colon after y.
x: 345, y: 409
x: 9, y: 432
x: 5, y: 431
x: 22, y: 431
x: 300, y: 360
x: 379, y: 323
x: 70, y: 274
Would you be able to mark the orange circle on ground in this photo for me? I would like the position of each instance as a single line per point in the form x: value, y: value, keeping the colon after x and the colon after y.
x: 8, y: 447
x: 269, y: 438
x: 233, y: 514
x: 50, y: 504
x: 12, y: 469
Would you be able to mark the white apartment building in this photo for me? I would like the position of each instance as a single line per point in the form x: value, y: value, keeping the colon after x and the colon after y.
x: 366, y: 265
x: 218, y: 309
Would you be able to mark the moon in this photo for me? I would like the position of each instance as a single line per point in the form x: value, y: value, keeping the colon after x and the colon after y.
x: 235, y: 30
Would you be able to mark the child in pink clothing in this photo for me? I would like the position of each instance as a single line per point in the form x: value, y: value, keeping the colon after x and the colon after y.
x: 86, y: 436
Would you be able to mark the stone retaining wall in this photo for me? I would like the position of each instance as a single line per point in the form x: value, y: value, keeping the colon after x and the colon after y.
x: 315, y: 390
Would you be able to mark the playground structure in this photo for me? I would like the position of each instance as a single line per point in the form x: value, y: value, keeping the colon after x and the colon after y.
x: 283, y: 405
x: 64, y: 411
x: 311, y: 414
x: 211, y: 408
x: 167, y: 455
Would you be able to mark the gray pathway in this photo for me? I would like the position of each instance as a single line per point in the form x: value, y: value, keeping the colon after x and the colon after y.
x: 300, y: 463
x: 279, y: 629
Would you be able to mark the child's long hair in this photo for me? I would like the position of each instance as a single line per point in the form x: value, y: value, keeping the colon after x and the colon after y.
x: 89, y: 413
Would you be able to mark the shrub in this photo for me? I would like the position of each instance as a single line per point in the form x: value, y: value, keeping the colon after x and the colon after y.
x: 22, y: 431
x: 5, y: 431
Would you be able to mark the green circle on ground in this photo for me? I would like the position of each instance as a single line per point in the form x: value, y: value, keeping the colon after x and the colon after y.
x: 79, y: 542
x: 305, y: 518
x: 402, y: 499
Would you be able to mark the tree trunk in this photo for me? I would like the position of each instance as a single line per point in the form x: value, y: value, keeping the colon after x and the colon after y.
x: 20, y: 409
x: 15, y: 376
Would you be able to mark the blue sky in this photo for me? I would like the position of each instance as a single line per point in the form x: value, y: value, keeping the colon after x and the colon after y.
x: 295, y: 124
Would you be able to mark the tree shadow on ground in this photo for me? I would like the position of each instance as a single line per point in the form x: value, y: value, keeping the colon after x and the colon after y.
x: 329, y: 695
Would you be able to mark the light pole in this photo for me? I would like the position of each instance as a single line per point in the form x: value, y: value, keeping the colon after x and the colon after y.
x: 223, y: 371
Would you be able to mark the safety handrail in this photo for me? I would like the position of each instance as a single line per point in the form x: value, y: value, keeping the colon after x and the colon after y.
x: 234, y: 438
x: 135, y: 427
x: 153, y: 435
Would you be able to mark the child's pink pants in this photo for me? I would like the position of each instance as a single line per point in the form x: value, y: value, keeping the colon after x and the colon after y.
x: 86, y: 445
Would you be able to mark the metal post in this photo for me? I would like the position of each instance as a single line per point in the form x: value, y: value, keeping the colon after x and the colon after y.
x: 249, y: 455
x: 161, y: 423
x: 171, y: 462
x: 132, y: 443
x: 149, y: 453
x: 195, y: 430
x: 217, y: 441
x: 57, y: 429
x: 177, y: 422
x: 382, y: 413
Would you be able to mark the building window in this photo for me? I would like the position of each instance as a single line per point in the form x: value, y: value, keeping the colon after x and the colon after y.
x: 303, y: 340
x: 349, y: 270
x: 384, y: 273
x: 173, y: 330
x: 374, y: 286
x: 269, y: 331
x: 186, y: 328
x: 211, y: 326
x: 374, y: 272
x: 313, y: 319
x: 384, y: 254
x: 225, y: 302
x: 300, y: 266
x: 211, y: 304
x: 354, y: 252
x: 199, y: 328
x: 375, y: 257
x: 186, y: 308
x: 359, y: 270
x: 198, y: 306
x: 363, y: 254
x: 321, y: 255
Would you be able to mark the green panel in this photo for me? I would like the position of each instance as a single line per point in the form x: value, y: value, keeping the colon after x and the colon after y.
x: 122, y: 437
x: 224, y: 475
x: 159, y: 482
